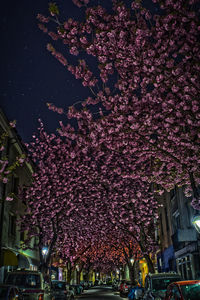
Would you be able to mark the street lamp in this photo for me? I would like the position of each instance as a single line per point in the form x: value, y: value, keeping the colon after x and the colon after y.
x: 45, y: 251
x: 132, y: 261
x: 196, y: 222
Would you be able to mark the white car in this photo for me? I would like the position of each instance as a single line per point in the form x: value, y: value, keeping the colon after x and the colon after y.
x: 30, y: 284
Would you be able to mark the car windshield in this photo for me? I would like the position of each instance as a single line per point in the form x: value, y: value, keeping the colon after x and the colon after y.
x: 191, y: 291
x: 59, y: 285
x: 3, y: 292
x: 24, y: 280
x: 160, y: 284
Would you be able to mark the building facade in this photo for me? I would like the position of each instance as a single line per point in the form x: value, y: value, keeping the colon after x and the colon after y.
x: 179, y: 240
x: 13, y: 253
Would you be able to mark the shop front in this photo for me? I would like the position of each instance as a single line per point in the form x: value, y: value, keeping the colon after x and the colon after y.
x: 188, y: 261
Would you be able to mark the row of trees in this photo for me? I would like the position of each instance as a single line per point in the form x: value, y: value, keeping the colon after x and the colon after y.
x: 102, y: 178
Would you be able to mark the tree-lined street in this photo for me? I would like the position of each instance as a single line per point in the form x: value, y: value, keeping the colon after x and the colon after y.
x: 103, y: 293
x: 114, y: 190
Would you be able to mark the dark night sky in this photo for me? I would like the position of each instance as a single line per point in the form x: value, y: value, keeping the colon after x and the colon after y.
x: 30, y: 76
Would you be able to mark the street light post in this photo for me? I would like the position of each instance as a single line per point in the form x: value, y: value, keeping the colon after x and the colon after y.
x: 45, y: 269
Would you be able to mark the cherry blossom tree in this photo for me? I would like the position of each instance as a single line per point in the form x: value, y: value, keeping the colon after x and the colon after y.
x: 49, y: 197
x: 147, y: 77
x: 78, y: 194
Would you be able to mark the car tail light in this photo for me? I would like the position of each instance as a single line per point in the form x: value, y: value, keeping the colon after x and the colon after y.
x: 40, y: 297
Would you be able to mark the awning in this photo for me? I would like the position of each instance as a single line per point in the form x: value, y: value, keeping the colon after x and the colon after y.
x: 23, y: 261
x: 9, y: 258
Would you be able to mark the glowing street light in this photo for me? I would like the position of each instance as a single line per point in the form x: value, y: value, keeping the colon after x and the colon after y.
x: 196, y: 222
x: 132, y: 260
x: 45, y: 251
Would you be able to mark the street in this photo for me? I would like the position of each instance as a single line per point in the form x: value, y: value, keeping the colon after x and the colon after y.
x: 104, y: 293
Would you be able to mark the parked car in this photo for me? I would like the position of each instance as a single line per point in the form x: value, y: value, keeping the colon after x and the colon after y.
x: 109, y: 282
x: 136, y: 292
x: 71, y: 291
x: 100, y: 282
x: 85, y: 284
x: 60, y: 290
x: 91, y: 284
x: 78, y: 289
x: 125, y: 288
x: 8, y: 292
x: 115, y: 284
x: 184, y: 290
x: 30, y: 284
x: 120, y: 285
x: 156, y: 285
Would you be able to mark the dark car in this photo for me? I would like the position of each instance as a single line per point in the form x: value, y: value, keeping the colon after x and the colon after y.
x: 115, y: 284
x: 77, y: 288
x: 60, y: 290
x: 30, y: 284
x: 156, y: 285
x: 184, y: 290
x: 8, y: 292
x: 85, y: 285
x: 125, y: 288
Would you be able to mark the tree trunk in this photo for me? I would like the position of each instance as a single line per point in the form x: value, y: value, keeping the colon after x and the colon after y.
x: 78, y: 277
x: 149, y: 263
x: 69, y: 274
x: 132, y: 273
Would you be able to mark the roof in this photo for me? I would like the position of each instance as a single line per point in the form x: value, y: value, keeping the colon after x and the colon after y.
x: 24, y: 271
x: 167, y: 274
x: 8, y: 285
x: 187, y: 282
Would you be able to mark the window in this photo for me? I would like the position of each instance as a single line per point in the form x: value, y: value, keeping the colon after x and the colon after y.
x: 172, y: 193
x: 188, y: 214
x: 161, y: 225
x: 12, y: 224
x: 24, y: 280
x: 22, y: 236
x: 175, y: 293
x: 177, y: 221
x: 15, y: 185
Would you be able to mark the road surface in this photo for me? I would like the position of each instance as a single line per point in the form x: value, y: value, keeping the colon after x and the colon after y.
x: 100, y: 293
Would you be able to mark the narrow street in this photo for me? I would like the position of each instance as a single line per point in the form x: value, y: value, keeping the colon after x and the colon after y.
x: 104, y: 293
